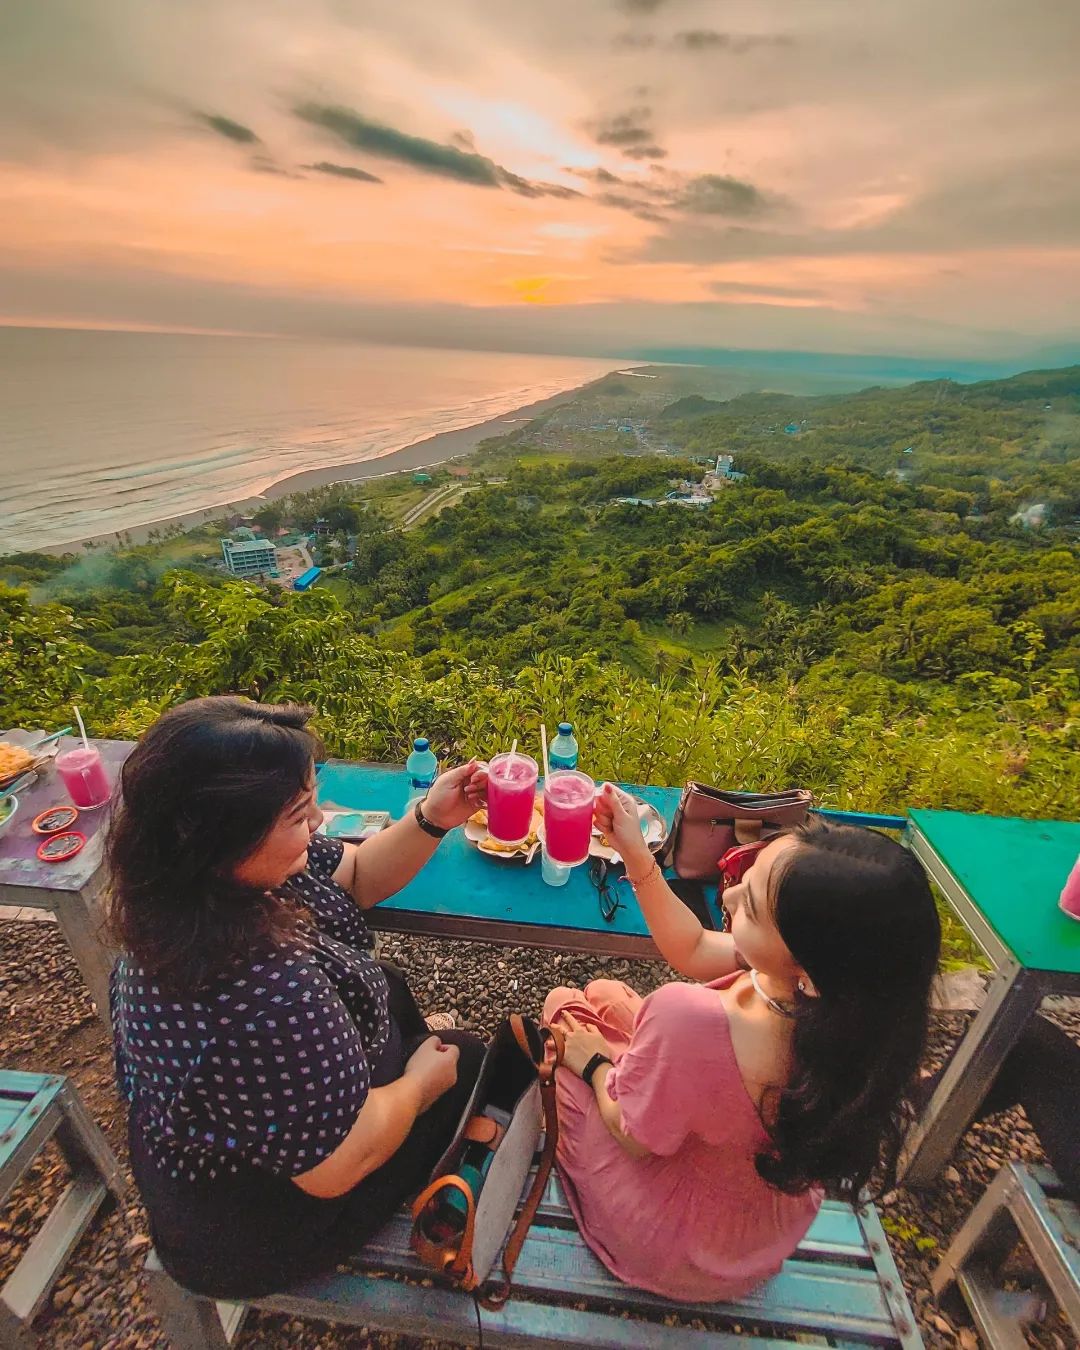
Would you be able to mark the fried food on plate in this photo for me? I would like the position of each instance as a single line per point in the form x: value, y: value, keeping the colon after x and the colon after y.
x: 490, y: 845
x: 13, y: 760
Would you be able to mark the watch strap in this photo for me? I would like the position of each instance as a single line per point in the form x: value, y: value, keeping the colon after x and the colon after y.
x: 435, y: 831
x: 592, y: 1066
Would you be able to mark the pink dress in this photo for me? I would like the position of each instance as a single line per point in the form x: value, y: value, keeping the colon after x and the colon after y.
x: 693, y: 1220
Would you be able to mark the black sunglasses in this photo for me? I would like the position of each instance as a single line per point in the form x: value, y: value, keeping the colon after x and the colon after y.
x: 606, y: 883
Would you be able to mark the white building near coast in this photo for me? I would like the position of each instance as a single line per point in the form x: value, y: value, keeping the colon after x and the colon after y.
x: 250, y: 557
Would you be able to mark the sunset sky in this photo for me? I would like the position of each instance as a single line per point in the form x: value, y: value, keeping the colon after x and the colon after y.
x: 595, y: 176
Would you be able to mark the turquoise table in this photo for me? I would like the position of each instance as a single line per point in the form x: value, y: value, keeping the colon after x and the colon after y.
x: 1003, y: 878
x: 463, y: 893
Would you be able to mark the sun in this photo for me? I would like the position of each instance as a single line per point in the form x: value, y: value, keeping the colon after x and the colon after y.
x: 532, y: 290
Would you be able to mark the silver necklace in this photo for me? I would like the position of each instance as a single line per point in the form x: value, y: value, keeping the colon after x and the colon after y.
x: 783, y: 1009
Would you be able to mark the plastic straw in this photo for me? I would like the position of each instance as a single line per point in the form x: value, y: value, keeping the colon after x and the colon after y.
x: 82, y: 729
x: 543, y: 746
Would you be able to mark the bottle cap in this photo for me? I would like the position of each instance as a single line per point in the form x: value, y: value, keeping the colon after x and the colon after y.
x: 565, y: 728
x: 421, y: 743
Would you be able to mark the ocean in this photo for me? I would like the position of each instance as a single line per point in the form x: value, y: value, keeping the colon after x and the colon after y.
x: 107, y: 431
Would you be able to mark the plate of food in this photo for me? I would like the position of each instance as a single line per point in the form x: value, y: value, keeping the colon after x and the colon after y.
x: 477, y: 833
x: 653, y: 829
x: 17, y: 759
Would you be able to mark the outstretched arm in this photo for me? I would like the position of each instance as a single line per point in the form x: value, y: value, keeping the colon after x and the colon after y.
x: 380, y: 867
x: 684, y: 943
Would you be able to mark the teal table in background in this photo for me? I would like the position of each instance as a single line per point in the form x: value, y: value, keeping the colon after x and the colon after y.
x: 1003, y: 877
x: 72, y: 890
x: 464, y: 893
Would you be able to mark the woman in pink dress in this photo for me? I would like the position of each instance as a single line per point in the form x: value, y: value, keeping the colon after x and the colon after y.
x: 701, y: 1126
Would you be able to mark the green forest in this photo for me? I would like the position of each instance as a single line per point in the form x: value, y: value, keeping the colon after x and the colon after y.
x: 885, y: 609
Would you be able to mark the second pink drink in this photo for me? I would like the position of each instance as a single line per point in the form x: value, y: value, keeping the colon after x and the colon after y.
x: 511, y: 796
x: 84, y: 777
x: 568, y: 816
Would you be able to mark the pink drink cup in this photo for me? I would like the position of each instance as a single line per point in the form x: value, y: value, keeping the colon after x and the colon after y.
x: 511, y: 796
x: 1070, y: 896
x: 569, y: 797
x: 84, y: 777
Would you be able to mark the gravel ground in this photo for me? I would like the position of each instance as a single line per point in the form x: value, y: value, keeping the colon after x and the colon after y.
x: 47, y: 1024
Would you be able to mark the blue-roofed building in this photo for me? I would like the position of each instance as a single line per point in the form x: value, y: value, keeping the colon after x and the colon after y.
x: 306, y: 580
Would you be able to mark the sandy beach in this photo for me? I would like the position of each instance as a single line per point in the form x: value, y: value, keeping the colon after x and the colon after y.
x: 422, y: 454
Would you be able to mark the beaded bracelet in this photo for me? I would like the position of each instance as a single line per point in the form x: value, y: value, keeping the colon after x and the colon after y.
x: 635, y: 882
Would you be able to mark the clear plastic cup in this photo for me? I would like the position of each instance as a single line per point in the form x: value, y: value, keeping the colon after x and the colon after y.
x: 511, y: 797
x: 554, y: 873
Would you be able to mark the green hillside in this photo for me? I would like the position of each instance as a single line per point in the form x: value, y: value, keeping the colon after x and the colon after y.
x: 889, y: 628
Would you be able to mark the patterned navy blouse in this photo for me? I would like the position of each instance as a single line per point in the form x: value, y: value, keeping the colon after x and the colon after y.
x: 273, y: 1063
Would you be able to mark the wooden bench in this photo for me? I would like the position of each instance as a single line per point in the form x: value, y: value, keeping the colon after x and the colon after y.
x: 841, y: 1286
x: 34, y: 1109
x: 1022, y: 1203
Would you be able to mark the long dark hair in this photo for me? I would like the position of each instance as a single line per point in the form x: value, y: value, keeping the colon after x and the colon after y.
x: 198, y: 794
x: 856, y: 912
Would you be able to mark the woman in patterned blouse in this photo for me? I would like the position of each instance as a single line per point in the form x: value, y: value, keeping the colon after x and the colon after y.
x: 285, y: 1095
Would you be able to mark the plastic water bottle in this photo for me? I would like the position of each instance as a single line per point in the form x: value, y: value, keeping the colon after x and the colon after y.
x: 563, y: 750
x: 453, y: 1209
x: 422, y: 768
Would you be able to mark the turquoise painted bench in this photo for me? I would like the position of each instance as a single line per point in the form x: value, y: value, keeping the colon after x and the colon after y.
x: 34, y: 1109
x: 841, y: 1286
x: 1022, y: 1203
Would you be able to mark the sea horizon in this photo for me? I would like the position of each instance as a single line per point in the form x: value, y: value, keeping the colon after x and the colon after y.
x: 108, y: 431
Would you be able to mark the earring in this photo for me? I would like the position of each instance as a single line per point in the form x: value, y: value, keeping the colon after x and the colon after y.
x: 801, y: 986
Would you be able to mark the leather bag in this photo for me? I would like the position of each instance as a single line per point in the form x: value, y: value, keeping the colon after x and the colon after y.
x: 464, y: 1217
x: 709, y: 821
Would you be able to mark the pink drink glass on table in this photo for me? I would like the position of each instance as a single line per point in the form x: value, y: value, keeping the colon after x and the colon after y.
x: 1070, y: 896
x: 84, y: 777
x: 569, y: 797
x: 511, y: 796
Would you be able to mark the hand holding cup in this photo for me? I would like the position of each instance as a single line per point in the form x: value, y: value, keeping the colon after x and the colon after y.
x: 616, y: 815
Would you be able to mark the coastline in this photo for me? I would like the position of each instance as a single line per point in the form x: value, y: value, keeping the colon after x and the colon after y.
x: 426, y: 453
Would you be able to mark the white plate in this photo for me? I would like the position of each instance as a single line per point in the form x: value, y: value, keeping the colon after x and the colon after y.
x: 478, y: 836
x: 653, y: 830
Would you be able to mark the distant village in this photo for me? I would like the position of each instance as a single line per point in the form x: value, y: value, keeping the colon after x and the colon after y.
x: 719, y: 476
x: 286, y: 557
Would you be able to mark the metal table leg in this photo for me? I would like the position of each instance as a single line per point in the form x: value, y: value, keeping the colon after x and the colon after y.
x: 1014, y: 995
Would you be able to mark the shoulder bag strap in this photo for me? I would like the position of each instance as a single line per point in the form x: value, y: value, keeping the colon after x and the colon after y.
x: 495, y: 1297
x: 521, y: 1036
x: 456, y: 1261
